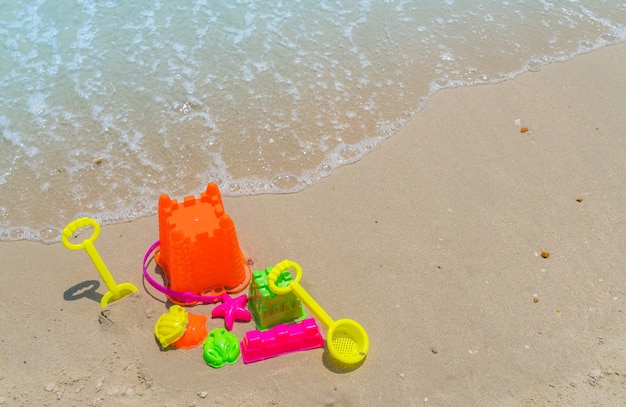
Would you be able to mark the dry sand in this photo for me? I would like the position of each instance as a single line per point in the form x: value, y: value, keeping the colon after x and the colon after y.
x: 432, y: 243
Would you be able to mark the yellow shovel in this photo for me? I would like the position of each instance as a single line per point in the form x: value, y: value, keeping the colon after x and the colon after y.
x: 116, y: 291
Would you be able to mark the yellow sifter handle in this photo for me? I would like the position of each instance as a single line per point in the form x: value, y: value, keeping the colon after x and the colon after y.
x: 295, y: 287
x: 346, y: 339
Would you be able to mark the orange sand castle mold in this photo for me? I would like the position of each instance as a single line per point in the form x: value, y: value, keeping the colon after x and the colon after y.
x: 199, y: 250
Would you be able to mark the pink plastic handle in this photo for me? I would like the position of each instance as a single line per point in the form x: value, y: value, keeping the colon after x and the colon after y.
x: 186, y: 297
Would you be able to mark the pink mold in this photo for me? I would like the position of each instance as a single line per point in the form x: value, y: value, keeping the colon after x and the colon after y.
x: 283, y: 338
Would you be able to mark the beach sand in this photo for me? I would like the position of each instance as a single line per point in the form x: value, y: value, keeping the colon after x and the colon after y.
x: 432, y: 242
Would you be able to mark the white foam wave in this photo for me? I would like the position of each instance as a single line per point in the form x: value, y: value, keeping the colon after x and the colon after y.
x: 121, y: 103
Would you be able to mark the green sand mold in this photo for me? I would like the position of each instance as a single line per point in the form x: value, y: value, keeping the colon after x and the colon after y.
x: 269, y: 309
x: 220, y: 347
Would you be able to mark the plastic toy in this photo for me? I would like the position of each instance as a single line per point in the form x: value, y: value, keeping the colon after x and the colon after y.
x: 116, y: 291
x: 186, y: 297
x: 347, y: 340
x: 282, y: 339
x: 171, y: 326
x: 232, y: 310
x: 195, y: 332
x: 220, y: 347
x: 180, y: 328
x: 199, y: 250
x: 268, y: 308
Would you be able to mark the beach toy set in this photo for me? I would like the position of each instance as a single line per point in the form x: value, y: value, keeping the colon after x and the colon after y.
x: 200, y: 262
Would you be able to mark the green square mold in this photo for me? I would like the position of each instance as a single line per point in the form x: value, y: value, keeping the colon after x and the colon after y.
x: 269, y: 309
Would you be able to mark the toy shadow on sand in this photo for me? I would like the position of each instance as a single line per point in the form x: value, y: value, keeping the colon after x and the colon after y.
x: 86, y: 289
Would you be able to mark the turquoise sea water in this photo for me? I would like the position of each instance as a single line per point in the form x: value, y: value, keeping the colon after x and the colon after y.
x: 105, y: 105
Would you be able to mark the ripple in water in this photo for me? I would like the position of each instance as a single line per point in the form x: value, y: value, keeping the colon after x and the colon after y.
x: 260, y: 97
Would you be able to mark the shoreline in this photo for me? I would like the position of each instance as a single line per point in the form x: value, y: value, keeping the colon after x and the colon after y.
x: 432, y: 242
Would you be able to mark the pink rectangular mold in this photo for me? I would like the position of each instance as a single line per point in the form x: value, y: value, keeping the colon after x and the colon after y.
x: 283, y: 338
